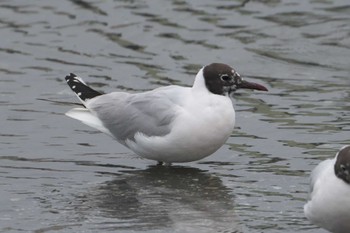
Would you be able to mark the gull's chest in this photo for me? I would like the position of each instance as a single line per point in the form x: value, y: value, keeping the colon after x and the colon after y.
x: 210, y: 117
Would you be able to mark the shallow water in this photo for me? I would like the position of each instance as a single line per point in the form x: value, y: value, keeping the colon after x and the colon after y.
x: 58, y: 175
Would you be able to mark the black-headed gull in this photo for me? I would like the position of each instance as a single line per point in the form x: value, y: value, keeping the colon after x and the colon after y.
x: 168, y: 124
x: 329, y: 204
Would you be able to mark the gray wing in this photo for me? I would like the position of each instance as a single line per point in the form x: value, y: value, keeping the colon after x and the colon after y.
x: 124, y: 114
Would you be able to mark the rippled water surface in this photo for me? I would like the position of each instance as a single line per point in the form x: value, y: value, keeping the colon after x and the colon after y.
x: 57, y: 175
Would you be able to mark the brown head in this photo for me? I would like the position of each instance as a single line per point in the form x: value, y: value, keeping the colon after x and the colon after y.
x: 342, y: 164
x: 222, y: 79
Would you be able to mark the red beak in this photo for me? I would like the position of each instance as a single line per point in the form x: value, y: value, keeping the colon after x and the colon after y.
x: 251, y: 85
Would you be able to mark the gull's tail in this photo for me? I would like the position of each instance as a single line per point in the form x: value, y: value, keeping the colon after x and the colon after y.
x: 79, y: 87
x: 84, y: 93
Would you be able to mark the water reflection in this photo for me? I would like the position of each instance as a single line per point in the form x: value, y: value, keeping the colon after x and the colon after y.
x: 182, y: 199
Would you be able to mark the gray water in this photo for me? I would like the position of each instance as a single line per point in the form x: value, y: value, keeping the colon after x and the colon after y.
x: 57, y: 175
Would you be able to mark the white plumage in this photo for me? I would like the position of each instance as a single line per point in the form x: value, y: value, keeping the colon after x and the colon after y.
x: 329, y: 204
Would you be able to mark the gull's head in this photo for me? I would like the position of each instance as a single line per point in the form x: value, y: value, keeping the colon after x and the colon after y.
x: 342, y: 164
x: 222, y: 79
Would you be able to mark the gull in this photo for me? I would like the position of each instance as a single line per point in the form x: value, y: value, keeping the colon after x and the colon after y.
x: 170, y: 124
x: 329, y: 204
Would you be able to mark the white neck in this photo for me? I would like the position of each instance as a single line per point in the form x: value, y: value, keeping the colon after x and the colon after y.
x: 199, y: 83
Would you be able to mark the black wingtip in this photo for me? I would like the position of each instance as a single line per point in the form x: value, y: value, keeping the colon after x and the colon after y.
x: 83, y: 91
x: 70, y: 77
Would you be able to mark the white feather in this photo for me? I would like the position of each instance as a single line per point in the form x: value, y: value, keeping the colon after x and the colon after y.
x: 329, y: 202
x: 85, y: 116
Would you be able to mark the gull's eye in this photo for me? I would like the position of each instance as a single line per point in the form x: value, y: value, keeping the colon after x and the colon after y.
x: 225, y: 77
